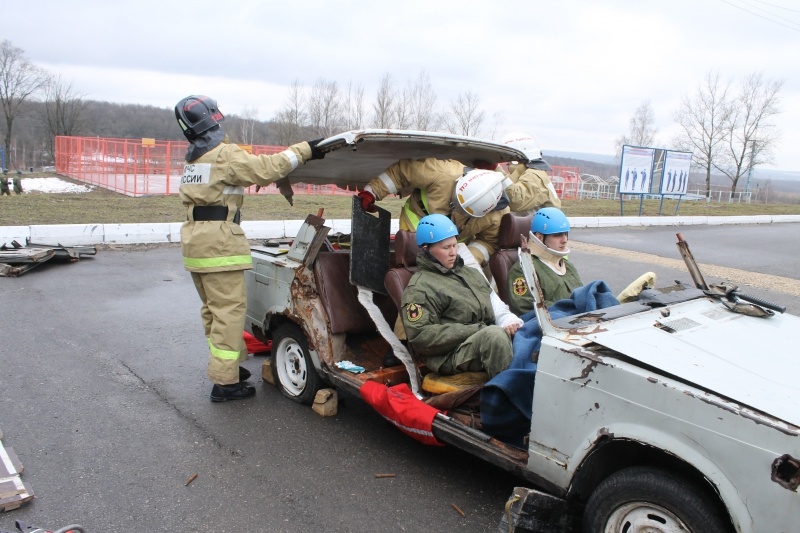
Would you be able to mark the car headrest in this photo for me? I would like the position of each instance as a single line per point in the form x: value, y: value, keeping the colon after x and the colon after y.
x: 511, y: 227
x: 405, y: 248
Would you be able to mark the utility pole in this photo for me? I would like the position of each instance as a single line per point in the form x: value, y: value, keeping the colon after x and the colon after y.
x: 750, y: 168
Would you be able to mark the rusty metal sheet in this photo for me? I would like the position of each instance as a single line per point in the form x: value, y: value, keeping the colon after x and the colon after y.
x: 369, y: 247
x: 750, y: 360
x: 18, y: 260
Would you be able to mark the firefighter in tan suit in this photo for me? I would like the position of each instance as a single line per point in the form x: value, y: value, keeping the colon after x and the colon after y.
x: 215, y: 248
x: 433, y: 184
x: 532, y: 189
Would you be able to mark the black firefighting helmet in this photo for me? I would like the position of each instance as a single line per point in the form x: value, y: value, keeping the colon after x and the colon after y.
x: 197, y: 114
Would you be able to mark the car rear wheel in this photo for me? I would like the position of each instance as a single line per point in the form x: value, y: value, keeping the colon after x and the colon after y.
x: 292, y: 368
x: 653, y: 500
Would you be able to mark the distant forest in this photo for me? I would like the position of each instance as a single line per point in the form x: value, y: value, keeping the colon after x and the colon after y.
x: 104, y: 119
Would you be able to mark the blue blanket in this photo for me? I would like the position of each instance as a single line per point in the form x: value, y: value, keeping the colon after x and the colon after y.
x: 506, y: 400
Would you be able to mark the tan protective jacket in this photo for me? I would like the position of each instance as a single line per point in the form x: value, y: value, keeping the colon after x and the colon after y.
x: 531, y: 189
x: 433, y: 181
x: 218, y: 178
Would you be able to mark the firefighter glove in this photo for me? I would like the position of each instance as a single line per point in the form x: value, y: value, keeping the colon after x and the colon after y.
x: 316, y: 153
x: 367, y: 201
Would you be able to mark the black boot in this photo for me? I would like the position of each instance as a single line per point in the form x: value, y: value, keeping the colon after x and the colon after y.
x: 244, y: 374
x: 390, y: 359
x: 237, y: 391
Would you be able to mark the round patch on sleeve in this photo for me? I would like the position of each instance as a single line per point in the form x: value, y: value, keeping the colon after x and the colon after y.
x: 413, y: 312
x: 520, y: 286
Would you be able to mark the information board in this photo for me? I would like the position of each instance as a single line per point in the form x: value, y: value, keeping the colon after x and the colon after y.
x: 636, y: 170
x: 675, y: 177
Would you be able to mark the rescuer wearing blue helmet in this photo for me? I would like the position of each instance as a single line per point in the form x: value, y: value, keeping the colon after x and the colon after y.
x: 557, y: 276
x: 447, y: 308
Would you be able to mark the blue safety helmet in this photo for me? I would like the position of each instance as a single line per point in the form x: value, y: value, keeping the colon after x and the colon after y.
x: 549, y: 220
x: 434, y: 228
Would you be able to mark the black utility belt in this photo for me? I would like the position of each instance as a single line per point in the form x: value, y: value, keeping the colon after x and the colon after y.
x: 213, y: 212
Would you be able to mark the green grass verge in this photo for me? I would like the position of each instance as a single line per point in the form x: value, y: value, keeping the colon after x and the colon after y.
x: 104, y: 207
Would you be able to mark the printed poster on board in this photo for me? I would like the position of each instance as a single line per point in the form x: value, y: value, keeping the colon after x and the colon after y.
x: 675, y: 178
x: 636, y: 170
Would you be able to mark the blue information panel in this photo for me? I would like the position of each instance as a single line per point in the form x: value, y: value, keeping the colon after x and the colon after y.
x: 675, y: 177
x: 636, y: 170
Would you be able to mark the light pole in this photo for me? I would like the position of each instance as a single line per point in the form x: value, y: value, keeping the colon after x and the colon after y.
x: 750, y: 168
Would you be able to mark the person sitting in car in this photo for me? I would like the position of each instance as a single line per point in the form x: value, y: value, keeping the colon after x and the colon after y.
x: 557, y: 276
x: 447, y: 309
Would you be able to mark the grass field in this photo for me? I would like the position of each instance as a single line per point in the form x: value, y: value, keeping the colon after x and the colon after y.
x: 104, y: 207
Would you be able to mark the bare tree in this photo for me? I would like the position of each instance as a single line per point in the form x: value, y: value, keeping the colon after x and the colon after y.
x: 246, y: 125
x: 704, y: 119
x: 19, y: 81
x: 403, y: 114
x: 642, y: 128
x: 465, y: 116
x: 423, y: 103
x: 63, y: 111
x: 325, y: 108
x: 752, y: 136
x: 497, y: 119
x: 354, y: 107
x: 289, y: 121
x: 383, y: 108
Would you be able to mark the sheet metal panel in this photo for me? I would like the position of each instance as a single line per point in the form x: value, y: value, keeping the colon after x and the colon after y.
x: 751, y: 360
x: 354, y: 158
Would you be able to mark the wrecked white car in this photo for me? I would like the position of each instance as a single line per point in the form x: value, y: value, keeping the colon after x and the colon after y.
x: 679, y: 411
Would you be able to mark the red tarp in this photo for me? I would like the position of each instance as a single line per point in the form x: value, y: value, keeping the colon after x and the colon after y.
x: 398, y: 405
x: 254, y: 345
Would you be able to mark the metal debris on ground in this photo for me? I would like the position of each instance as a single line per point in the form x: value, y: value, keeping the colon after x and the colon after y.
x: 16, y: 260
x: 13, y: 491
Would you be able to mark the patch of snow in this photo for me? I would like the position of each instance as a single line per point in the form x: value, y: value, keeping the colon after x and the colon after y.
x: 54, y: 185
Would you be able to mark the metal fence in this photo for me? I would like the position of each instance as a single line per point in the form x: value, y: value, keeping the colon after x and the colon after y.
x: 145, y: 167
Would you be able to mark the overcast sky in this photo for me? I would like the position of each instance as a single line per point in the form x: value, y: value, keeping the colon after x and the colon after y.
x: 571, y: 72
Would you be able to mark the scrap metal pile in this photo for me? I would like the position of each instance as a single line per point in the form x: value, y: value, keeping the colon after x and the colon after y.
x: 16, y: 260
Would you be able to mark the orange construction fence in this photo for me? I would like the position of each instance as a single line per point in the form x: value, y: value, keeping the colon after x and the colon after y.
x: 145, y: 167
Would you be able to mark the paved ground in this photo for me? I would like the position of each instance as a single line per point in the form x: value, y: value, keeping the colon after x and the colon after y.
x: 105, y: 401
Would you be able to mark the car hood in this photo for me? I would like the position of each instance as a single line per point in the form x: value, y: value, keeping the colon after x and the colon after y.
x: 750, y: 360
x: 353, y: 158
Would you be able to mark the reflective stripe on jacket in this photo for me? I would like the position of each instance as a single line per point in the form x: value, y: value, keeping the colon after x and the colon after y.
x: 218, y: 178
x: 437, y: 178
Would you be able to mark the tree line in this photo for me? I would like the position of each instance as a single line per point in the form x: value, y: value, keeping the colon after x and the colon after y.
x: 38, y: 106
x: 729, y: 129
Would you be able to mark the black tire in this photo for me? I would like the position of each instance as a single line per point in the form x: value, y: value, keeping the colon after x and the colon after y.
x: 292, y: 368
x: 639, y: 497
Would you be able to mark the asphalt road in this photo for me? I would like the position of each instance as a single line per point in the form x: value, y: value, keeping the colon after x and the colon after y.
x: 105, y: 401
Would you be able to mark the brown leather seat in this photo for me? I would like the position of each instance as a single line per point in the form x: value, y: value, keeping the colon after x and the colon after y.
x: 511, y: 227
x: 340, y: 297
x: 405, y: 260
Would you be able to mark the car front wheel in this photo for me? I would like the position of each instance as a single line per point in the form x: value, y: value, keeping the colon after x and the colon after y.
x: 292, y: 368
x: 653, y: 500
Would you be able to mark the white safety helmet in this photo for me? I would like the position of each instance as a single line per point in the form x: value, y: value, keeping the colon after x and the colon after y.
x: 477, y: 192
x: 525, y: 143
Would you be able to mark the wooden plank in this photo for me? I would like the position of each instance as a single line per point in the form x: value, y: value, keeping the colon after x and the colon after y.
x: 14, y: 493
x: 9, y: 464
